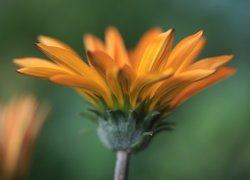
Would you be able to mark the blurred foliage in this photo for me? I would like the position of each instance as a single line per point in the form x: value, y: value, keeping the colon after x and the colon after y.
x: 211, y: 139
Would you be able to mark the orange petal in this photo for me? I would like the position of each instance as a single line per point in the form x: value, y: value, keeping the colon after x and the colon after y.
x: 198, y: 86
x: 185, y: 77
x: 212, y: 62
x: 145, y: 40
x: 41, y: 72
x: 89, y: 96
x: 114, y: 85
x: 195, y: 74
x: 35, y: 62
x: 116, y: 47
x: 100, y: 61
x: 146, y: 81
x: 183, y: 49
x: 48, y: 41
x: 75, y: 81
x: 73, y: 63
x: 174, y: 84
x: 92, y: 43
x: 125, y: 77
x: 81, y: 82
x: 66, y: 58
x: 155, y: 51
x: 195, y: 52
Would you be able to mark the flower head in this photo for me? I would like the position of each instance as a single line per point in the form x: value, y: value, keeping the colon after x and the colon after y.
x: 141, y: 85
x: 20, y: 121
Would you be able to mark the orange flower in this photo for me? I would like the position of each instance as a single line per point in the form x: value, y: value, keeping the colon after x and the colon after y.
x: 154, y: 73
x: 132, y: 91
x: 20, y: 121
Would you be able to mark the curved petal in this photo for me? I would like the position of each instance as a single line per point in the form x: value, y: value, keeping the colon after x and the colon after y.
x: 81, y: 82
x: 72, y: 63
x: 125, y: 77
x: 92, y: 43
x: 174, y: 84
x: 195, y: 52
x: 65, y: 58
x: 41, y: 72
x: 114, y: 85
x: 35, y: 62
x: 145, y: 40
x: 183, y: 50
x: 196, y: 87
x: 145, y: 81
x: 212, y: 62
x: 89, y: 95
x: 116, y: 47
x: 69, y: 61
x: 49, y: 41
x: 101, y: 61
x: 155, y: 52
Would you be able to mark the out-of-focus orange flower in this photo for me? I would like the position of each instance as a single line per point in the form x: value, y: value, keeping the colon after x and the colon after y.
x: 20, y: 122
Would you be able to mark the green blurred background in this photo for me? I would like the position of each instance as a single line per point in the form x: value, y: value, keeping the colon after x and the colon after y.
x: 212, y: 136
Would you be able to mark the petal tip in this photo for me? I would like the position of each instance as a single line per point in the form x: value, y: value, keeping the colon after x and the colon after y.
x: 230, y: 56
x: 38, y: 44
x: 17, y: 60
x: 199, y: 34
x: 40, y: 38
x: 21, y: 70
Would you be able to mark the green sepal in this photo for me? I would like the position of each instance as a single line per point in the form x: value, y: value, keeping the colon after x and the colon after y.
x: 128, y: 130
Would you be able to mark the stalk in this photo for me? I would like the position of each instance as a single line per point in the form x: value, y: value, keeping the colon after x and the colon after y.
x: 121, y: 167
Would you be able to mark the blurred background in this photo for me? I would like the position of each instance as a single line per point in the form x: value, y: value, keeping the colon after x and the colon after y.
x: 212, y: 137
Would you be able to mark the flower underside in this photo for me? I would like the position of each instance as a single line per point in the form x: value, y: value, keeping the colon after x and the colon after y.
x: 154, y: 75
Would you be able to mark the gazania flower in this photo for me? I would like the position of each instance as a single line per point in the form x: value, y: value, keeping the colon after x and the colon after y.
x: 131, y: 91
x: 20, y: 121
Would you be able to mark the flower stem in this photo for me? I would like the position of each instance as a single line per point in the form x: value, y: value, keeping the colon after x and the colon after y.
x: 121, y: 167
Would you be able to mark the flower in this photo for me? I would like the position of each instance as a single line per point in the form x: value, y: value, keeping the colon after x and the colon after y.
x: 139, y: 86
x: 20, y: 122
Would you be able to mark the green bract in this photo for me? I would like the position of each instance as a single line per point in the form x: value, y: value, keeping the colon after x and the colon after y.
x: 130, y: 130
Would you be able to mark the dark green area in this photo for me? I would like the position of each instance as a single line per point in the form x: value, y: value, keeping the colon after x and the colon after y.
x: 211, y: 138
